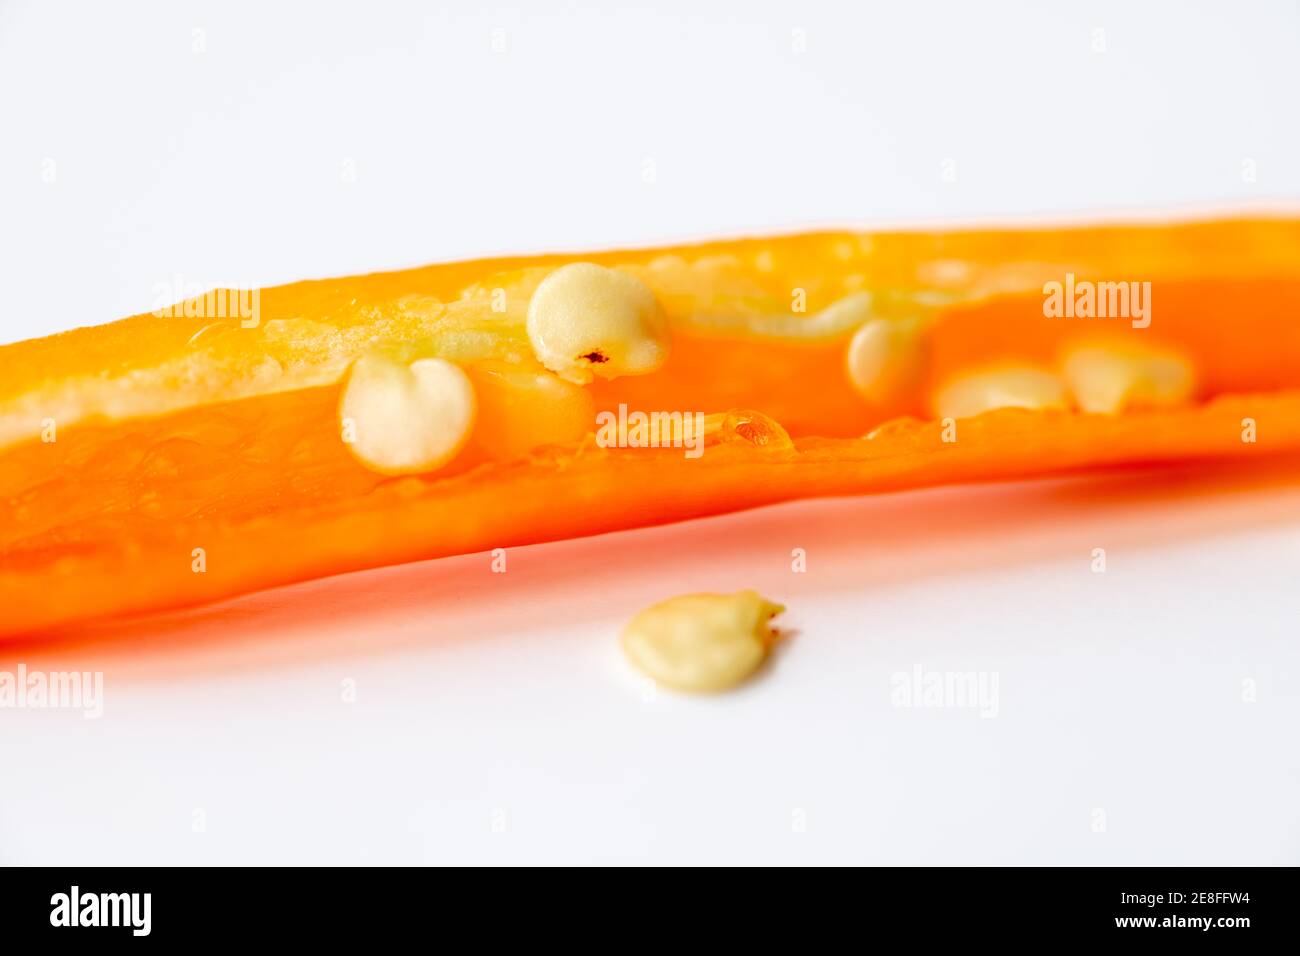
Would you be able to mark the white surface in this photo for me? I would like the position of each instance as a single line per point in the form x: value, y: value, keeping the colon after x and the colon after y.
x: 494, y: 719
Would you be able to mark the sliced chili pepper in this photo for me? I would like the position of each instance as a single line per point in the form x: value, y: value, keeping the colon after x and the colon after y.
x: 167, y: 460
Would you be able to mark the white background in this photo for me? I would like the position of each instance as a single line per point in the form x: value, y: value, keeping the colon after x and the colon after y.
x: 494, y: 719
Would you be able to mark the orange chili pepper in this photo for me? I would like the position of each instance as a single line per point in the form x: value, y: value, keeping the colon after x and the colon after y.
x: 167, y: 460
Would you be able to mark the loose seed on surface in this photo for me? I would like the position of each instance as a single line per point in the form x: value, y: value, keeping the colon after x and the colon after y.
x: 702, y: 642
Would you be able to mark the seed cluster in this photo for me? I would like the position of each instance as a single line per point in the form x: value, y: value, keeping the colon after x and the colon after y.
x: 586, y: 321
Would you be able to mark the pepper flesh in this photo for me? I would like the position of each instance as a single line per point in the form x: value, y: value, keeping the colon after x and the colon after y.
x: 175, y: 434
